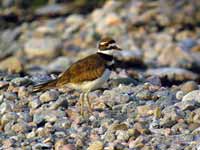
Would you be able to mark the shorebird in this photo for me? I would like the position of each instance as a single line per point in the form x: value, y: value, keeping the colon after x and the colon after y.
x: 87, y: 74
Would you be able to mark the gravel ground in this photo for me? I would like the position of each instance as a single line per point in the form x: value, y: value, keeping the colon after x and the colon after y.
x: 151, y: 101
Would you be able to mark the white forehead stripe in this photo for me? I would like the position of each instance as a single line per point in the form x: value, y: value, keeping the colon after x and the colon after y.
x: 103, y: 43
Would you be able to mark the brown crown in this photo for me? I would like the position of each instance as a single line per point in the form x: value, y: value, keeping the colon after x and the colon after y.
x: 104, y: 43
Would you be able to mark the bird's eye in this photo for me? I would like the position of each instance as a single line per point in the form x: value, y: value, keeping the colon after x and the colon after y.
x: 106, y: 44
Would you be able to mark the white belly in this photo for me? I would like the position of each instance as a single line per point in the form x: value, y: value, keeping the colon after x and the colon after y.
x: 92, y: 85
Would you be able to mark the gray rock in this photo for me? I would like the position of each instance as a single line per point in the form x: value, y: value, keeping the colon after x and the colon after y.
x: 122, y: 135
x: 7, y: 128
x: 8, y: 143
x: 188, y: 44
x: 34, y: 103
x: 196, y: 117
x: 38, y: 118
x: 53, y: 9
x: 60, y: 102
x: 48, y: 115
x: 109, y: 137
x: 131, y: 56
x: 171, y: 115
x: 7, y: 3
x: 179, y: 128
x: 186, y: 105
x: 144, y: 95
x: 193, y: 95
x: 179, y: 56
x: 7, y: 117
x: 189, y: 86
x: 179, y: 95
x: 11, y: 35
x: 39, y: 146
x: 62, y: 124
x: 60, y: 64
x: 10, y: 96
x: 154, y: 80
x: 20, y: 81
x: 172, y: 74
x: 42, y: 47
x: 5, y: 107
x: 23, y: 92
x: 3, y: 84
x: 20, y: 127
x: 49, y: 96
x: 8, y: 49
x: 25, y: 116
x: 12, y: 64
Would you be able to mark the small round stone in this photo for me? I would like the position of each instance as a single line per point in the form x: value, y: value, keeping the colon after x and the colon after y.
x: 189, y: 86
x: 179, y: 95
x: 97, y: 145
x: 49, y: 96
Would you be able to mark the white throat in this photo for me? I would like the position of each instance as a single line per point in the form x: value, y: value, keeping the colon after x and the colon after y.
x: 107, y: 52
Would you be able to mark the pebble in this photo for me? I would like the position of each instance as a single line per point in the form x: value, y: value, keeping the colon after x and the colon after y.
x: 144, y: 95
x: 20, y: 81
x: 34, y: 103
x: 179, y: 95
x: 68, y: 147
x: 41, y: 146
x: 189, y: 86
x: 193, y: 95
x: 7, y: 117
x: 60, y: 102
x: 5, y: 107
x: 12, y: 64
x: 21, y: 127
x: 131, y: 56
x: 175, y: 57
x: 137, y: 143
x: 8, y: 143
x: 42, y: 47
x: 97, y: 145
x: 154, y: 80
x: 60, y: 64
x: 171, y: 116
x: 186, y: 105
x: 10, y: 96
x: 53, y: 9
x: 145, y: 110
x: 3, y: 84
x: 22, y: 92
x: 172, y: 74
x: 49, y: 96
x: 122, y: 135
x: 48, y: 115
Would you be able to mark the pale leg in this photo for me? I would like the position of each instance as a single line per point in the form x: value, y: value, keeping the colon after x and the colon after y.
x: 88, y: 102
x: 82, y: 103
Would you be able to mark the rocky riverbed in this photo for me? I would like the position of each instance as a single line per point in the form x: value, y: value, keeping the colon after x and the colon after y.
x: 152, y: 100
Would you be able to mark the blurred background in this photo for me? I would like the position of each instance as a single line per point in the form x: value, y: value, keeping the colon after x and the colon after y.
x: 150, y: 102
x: 153, y: 33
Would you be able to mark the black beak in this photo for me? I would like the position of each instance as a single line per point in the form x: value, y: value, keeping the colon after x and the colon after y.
x: 117, y: 48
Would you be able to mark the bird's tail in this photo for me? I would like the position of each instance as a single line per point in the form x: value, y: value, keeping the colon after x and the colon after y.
x: 45, y: 86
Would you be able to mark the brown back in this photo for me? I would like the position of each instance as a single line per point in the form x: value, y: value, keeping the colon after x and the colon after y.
x: 86, y: 69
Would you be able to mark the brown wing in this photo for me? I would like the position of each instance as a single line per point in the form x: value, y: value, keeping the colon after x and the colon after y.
x: 86, y: 69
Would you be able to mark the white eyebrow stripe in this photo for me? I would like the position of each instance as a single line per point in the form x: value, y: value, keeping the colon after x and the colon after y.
x: 113, y: 44
x: 103, y: 43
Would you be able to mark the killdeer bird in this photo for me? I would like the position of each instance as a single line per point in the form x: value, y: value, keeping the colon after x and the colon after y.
x: 87, y: 74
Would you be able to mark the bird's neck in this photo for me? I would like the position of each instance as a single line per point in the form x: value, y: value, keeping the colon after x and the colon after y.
x: 105, y: 57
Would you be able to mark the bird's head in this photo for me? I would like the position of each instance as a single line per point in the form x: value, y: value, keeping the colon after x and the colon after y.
x: 108, y: 46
